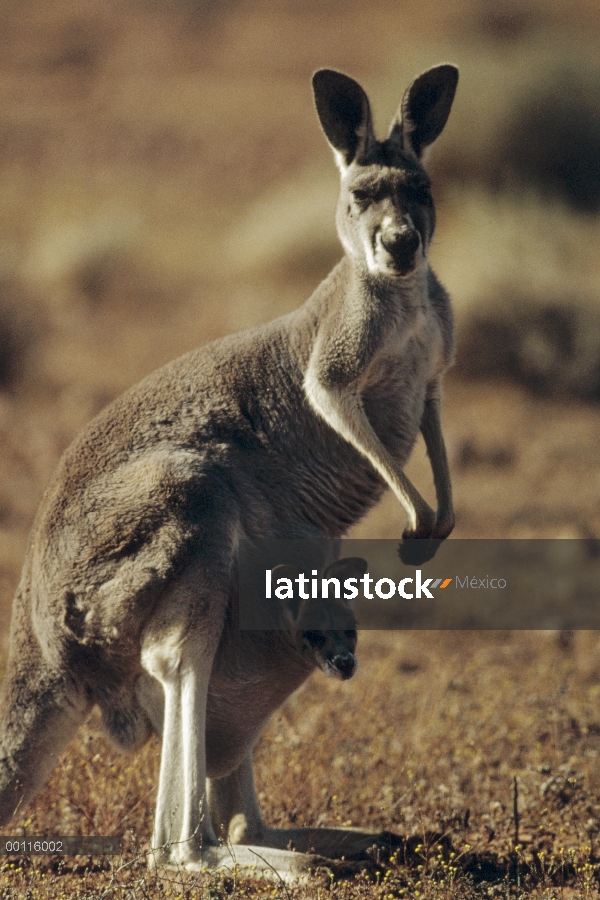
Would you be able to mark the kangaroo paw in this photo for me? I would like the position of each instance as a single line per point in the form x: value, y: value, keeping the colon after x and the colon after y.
x: 413, y: 551
x: 443, y: 528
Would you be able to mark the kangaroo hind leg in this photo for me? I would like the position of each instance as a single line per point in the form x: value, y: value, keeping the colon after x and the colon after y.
x: 178, y: 648
x: 177, y: 651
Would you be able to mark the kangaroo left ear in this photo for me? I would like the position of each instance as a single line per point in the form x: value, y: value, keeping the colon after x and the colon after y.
x: 424, y: 109
x: 290, y: 602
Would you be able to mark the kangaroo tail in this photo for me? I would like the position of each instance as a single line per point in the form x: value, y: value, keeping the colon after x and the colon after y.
x: 40, y: 711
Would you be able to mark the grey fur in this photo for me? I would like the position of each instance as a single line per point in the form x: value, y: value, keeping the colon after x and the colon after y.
x: 291, y: 430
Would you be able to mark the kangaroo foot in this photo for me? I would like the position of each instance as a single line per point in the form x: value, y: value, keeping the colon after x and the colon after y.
x: 249, y: 862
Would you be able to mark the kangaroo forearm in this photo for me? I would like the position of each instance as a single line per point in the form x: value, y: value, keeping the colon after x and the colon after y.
x: 343, y: 411
x: 431, y: 428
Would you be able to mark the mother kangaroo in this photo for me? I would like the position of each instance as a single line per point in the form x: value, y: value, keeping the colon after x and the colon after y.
x: 291, y: 430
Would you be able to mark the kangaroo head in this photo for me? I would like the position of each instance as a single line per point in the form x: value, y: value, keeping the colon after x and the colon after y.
x: 324, y: 627
x: 385, y: 216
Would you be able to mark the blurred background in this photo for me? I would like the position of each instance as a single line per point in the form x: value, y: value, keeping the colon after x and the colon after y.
x: 164, y: 180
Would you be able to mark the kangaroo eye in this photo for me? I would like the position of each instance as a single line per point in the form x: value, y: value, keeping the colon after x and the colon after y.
x: 418, y: 194
x: 363, y: 198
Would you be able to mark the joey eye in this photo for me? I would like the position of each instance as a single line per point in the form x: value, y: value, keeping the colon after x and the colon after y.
x: 315, y: 639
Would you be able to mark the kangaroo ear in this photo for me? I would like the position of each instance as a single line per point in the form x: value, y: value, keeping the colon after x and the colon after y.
x: 291, y: 605
x: 351, y: 567
x: 424, y: 109
x: 344, y: 112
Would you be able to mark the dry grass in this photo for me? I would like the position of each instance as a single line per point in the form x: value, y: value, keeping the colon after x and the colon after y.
x: 426, y: 740
x: 528, y: 302
x: 163, y: 181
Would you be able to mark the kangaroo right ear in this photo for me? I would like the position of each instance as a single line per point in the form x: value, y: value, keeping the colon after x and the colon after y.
x: 424, y: 110
x: 345, y: 115
x: 349, y: 567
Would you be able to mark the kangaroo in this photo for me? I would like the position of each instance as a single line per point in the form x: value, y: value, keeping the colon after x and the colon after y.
x: 292, y: 430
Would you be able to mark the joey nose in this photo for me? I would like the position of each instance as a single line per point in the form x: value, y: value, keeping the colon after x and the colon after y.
x: 402, y: 245
x: 343, y: 665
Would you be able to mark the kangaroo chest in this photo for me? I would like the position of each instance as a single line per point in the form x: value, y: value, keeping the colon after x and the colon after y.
x: 394, y: 392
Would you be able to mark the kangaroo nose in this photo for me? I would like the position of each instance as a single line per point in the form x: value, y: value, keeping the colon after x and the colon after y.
x: 343, y: 665
x: 401, y: 244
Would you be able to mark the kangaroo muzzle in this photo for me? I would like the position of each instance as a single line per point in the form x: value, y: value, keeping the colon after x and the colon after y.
x: 401, y: 244
x: 342, y: 665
